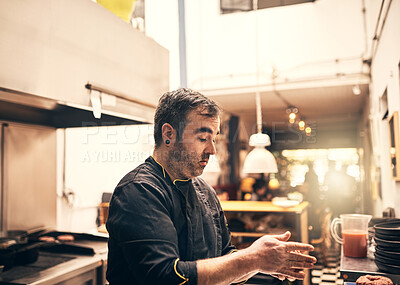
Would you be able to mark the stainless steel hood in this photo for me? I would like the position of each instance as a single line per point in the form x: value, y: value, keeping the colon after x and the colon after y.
x: 72, y: 63
x: 22, y: 107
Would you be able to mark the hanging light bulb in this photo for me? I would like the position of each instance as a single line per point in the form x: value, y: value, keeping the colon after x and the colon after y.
x: 302, y: 125
x: 273, y: 183
x: 259, y: 160
x: 308, y: 131
x: 356, y: 89
x: 292, y: 111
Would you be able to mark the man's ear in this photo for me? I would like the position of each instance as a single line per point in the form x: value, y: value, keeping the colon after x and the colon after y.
x: 168, y: 134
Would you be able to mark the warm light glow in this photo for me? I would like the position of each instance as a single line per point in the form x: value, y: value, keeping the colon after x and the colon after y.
x: 356, y: 89
x: 291, y: 121
x: 308, y: 130
x: 302, y: 124
x: 292, y: 116
x: 247, y: 197
x: 273, y: 184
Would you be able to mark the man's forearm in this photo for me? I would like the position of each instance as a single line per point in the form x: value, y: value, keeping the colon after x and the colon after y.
x: 268, y: 254
x: 227, y: 269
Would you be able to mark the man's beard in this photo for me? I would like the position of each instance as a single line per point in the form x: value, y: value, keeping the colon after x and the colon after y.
x: 184, y: 163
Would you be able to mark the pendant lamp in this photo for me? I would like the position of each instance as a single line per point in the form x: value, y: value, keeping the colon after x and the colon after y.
x: 259, y: 160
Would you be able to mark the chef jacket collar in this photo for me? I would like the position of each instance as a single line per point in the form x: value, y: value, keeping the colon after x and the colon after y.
x: 165, y: 174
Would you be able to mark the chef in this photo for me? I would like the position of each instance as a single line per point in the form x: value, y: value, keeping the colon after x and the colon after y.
x: 166, y: 224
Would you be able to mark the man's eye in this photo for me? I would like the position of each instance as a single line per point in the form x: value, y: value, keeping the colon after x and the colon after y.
x: 202, y: 140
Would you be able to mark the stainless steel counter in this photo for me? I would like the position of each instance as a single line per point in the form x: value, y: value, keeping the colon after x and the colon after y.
x: 352, y: 268
x: 71, y: 269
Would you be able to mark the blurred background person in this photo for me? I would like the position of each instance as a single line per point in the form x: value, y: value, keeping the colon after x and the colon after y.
x: 339, y: 189
x: 312, y: 194
x: 261, y: 191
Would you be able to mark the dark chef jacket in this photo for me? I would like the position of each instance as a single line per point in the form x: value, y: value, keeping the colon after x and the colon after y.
x: 158, y: 228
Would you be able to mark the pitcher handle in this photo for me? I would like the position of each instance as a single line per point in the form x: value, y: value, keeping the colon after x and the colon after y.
x: 333, y: 230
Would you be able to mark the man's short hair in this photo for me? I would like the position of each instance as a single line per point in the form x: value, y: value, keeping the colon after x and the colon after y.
x: 173, y: 108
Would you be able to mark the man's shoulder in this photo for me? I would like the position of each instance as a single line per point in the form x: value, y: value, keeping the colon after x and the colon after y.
x: 142, y: 174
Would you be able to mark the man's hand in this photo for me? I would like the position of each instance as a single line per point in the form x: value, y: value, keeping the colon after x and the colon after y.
x: 274, y: 255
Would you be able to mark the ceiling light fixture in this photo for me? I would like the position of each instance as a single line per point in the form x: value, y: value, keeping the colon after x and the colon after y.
x: 259, y: 160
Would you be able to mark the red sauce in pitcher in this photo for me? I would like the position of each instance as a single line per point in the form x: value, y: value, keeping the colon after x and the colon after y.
x: 354, y: 243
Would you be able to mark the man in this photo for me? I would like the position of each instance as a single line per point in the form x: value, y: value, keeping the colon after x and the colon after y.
x: 313, y: 196
x: 339, y: 189
x: 261, y: 191
x: 166, y: 225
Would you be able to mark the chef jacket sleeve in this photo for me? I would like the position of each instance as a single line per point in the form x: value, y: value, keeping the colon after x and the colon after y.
x: 139, y: 221
x: 227, y: 246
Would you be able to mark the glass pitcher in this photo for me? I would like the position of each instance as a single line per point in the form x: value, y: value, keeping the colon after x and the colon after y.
x: 354, y: 234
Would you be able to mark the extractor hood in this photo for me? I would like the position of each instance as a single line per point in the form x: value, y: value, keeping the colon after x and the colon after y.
x: 72, y: 63
x: 22, y: 107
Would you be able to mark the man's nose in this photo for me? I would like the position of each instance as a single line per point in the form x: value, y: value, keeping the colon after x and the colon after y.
x: 211, y: 148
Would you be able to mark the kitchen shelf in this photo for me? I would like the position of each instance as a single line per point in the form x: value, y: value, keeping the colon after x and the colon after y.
x: 261, y: 206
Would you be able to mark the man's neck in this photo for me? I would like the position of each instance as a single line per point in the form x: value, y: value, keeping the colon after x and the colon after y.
x: 161, y: 156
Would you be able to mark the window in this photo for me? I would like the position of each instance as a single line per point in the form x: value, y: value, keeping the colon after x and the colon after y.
x: 232, y: 6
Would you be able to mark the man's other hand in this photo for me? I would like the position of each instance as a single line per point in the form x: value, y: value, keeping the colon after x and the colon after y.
x: 275, y: 255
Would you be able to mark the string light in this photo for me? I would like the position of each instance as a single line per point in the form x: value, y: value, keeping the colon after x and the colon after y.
x: 302, y: 125
x: 292, y: 111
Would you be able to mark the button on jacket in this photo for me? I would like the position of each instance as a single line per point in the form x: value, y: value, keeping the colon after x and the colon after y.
x: 158, y: 228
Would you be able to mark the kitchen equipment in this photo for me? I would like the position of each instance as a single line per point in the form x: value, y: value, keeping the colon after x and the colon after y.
x: 388, y: 267
x: 19, y: 248
x: 19, y: 236
x: 387, y: 260
x: 387, y: 250
x: 81, y: 244
x: 6, y: 243
x: 388, y: 229
x: 20, y: 254
x: 387, y: 237
x: 388, y: 243
x: 354, y: 233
